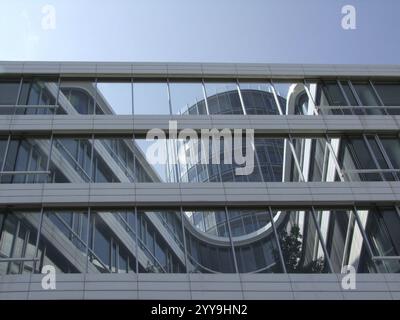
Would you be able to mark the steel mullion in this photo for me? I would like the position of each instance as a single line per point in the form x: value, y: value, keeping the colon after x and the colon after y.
x: 231, y: 240
x: 282, y: 260
x: 321, y: 240
x: 373, y: 156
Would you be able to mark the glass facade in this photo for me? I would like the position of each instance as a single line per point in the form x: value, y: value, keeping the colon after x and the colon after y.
x: 216, y: 240
x: 200, y: 239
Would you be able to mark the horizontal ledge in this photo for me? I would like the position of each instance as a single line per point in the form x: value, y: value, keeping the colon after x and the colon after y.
x: 140, y: 124
x: 187, y: 69
x: 200, y: 194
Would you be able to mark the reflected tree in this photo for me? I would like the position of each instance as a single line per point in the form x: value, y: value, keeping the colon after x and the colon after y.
x: 291, y: 245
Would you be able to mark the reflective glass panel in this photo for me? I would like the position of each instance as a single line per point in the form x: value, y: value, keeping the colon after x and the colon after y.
x: 301, y: 247
x: 223, y: 98
x: 25, y: 157
x: 344, y: 241
x: 187, y: 98
x: 150, y: 98
x: 78, y: 97
x: 114, y: 97
x: 18, y: 237
x: 160, y: 242
x: 208, y: 243
x: 39, y: 95
x: 254, y: 241
x: 258, y: 98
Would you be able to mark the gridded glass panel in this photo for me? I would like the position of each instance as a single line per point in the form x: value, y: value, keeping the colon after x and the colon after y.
x: 74, y: 156
x: 157, y: 159
x: 389, y: 92
x: 292, y: 97
x: 78, y: 97
x: 301, y: 247
x: 8, y: 95
x: 329, y: 94
x: 269, y: 159
x: 382, y: 227
x: 344, y: 241
x: 112, y: 247
x: 150, y: 98
x: 105, y: 167
x: 223, y: 98
x: 208, y: 244
x: 63, y: 240
x: 367, y: 97
x: 356, y: 159
x: 26, y: 161
x: 39, y: 96
x: 258, y: 98
x: 254, y: 253
x: 18, y: 237
x: 392, y: 149
x: 187, y: 98
x: 160, y: 242
x: 315, y: 160
x: 114, y: 97
x: 119, y: 154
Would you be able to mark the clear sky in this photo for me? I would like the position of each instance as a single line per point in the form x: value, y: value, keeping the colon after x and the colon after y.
x: 271, y: 31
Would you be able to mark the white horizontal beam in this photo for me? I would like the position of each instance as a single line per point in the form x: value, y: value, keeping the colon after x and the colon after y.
x: 256, y: 70
x: 262, y: 124
x: 200, y: 194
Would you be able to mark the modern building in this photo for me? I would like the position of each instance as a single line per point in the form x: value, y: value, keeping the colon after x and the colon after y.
x: 78, y: 191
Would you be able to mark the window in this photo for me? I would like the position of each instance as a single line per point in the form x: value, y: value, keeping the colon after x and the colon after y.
x: 258, y: 98
x: 300, y: 244
x: 150, y: 98
x: 39, y: 95
x: 8, y: 95
x: 24, y: 158
x: 389, y: 92
x: 187, y: 98
x: 223, y: 98
x: 114, y: 97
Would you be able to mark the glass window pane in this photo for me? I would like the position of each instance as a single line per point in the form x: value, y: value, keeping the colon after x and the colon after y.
x: 38, y: 92
x: 258, y: 98
x: 301, y: 247
x: 292, y: 97
x: 78, y: 97
x: 254, y: 253
x: 368, y: 98
x: 114, y: 97
x: 8, y: 95
x: 223, y: 98
x: 392, y: 148
x: 112, y: 247
x: 119, y: 154
x: 381, y: 227
x: 269, y: 159
x: 208, y: 245
x: 389, y: 92
x: 63, y: 240
x: 187, y: 98
x: 160, y: 242
x: 150, y: 98
x: 27, y: 156
x: 73, y: 156
x: 354, y: 157
x: 343, y: 239
x: 18, y: 237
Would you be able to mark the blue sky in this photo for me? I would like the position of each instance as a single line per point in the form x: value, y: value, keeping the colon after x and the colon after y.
x: 274, y: 31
